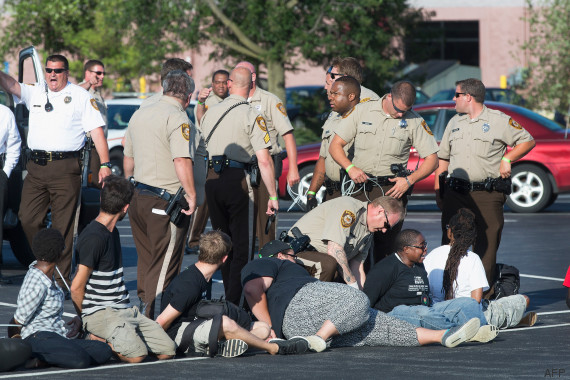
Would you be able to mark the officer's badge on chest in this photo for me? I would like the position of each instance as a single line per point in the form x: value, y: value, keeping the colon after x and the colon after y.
x: 486, y: 127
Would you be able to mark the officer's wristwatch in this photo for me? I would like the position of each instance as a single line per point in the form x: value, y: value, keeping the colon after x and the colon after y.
x: 107, y: 164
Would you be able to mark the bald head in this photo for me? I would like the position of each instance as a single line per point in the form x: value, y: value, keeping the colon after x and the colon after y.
x: 240, y: 81
x: 247, y: 65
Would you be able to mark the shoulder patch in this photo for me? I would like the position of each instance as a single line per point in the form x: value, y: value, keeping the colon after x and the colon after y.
x: 514, y: 124
x: 364, y: 100
x: 426, y: 127
x: 347, y: 219
x: 185, y: 129
x: 348, y: 113
x: 261, y: 123
x: 281, y: 108
x: 93, y: 103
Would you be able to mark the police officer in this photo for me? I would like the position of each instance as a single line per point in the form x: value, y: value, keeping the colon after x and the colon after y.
x: 383, y: 133
x: 206, y: 98
x: 273, y: 111
x: 60, y: 115
x: 9, y: 154
x: 340, y: 67
x: 234, y: 132
x: 474, y: 152
x: 344, y: 95
x: 169, y: 65
x: 341, y: 228
x: 157, y: 153
x: 94, y: 73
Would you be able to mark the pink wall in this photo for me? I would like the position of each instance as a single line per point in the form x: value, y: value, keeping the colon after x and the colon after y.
x: 501, y: 32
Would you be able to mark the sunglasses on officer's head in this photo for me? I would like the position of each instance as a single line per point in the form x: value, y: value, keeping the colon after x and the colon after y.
x: 333, y: 75
x: 57, y: 71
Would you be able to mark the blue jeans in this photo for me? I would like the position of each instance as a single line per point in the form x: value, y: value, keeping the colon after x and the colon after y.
x: 56, y: 350
x: 442, y: 315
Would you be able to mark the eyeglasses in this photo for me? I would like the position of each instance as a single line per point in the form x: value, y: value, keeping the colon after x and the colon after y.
x: 283, y: 253
x: 458, y: 94
x: 396, y: 108
x: 98, y: 72
x: 57, y: 71
x: 387, y: 223
x: 423, y: 245
x: 329, y: 71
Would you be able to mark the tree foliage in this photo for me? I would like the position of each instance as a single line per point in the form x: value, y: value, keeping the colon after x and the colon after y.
x: 548, y: 76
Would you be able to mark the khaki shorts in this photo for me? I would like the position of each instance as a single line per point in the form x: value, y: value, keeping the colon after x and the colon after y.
x: 201, y: 335
x: 130, y: 332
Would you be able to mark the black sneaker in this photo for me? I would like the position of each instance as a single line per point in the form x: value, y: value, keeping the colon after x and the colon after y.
x: 293, y: 346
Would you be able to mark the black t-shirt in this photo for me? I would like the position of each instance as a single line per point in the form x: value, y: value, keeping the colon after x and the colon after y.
x: 288, y: 278
x: 391, y: 283
x: 100, y: 249
x: 183, y: 294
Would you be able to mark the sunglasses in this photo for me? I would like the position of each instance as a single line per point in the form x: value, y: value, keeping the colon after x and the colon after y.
x: 423, y: 245
x: 333, y: 75
x: 283, y: 253
x: 396, y: 108
x: 57, y: 71
x: 386, y: 223
x: 458, y: 94
x: 98, y: 72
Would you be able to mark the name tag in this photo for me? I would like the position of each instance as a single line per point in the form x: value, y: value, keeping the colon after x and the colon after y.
x: 366, y: 123
x: 454, y: 130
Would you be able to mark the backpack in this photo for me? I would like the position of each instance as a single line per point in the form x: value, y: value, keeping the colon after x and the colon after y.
x: 507, y: 281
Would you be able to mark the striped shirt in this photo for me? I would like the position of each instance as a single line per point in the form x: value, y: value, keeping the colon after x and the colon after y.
x: 99, y: 249
x: 40, y: 304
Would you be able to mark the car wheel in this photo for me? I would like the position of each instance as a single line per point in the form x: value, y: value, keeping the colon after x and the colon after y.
x: 116, y: 159
x: 306, y: 175
x: 531, y: 189
x: 19, y: 244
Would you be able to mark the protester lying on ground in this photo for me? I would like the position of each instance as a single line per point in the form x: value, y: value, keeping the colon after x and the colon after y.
x: 98, y: 289
x: 398, y: 285
x: 193, y: 332
x: 40, y: 309
x: 567, y: 284
x: 454, y: 271
x: 13, y: 353
x: 282, y: 294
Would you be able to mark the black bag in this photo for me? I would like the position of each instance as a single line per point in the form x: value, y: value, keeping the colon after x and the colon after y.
x: 507, y: 281
x: 207, y: 309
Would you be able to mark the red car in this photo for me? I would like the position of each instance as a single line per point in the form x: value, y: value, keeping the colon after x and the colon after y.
x: 538, y: 177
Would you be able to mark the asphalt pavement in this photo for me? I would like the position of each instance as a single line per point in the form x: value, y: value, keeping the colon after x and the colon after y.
x: 537, y: 244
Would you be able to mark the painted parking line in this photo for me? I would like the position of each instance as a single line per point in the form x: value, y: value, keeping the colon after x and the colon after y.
x: 553, y: 312
x: 534, y: 328
x: 542, y: 277
x: 104, y: 367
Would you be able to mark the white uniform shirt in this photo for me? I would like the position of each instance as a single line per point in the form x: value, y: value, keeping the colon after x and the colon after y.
x: 9, y: 139
x: 63, y: 129
x: 470, y: 273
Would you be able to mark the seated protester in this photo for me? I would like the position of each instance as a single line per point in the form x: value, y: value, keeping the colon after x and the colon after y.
x: 454, y: 271
x: 282, y: 294
x: 342, y: 228
x: 40, y: 310
x: 98, y: 290
x: 180, y: 300
x: 398, y: 285
x: 567, y: 284
x: 13, y: 353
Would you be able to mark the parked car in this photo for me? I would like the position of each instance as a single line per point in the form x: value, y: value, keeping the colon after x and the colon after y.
x: 119, y: 113
x: 503, y: 95
x: 538, y: 177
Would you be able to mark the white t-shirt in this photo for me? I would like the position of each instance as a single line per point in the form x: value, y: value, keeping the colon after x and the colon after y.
x: 470, y: 273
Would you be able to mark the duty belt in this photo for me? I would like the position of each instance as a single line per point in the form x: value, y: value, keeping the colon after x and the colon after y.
x: 381, y: 181
x: 41, y: 157
x: 162, y: 193
x: 499, y: 184
x: 227, y: 163
x: 332, y: 186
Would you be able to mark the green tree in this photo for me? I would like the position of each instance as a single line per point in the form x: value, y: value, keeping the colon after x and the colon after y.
x: 548, y: 75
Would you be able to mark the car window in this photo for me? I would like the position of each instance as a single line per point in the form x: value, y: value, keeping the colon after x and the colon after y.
x: 118, y: 115
x: 421, y: 97
x: 442, y: 96
x: 550, y: 124
x: 430, y: 116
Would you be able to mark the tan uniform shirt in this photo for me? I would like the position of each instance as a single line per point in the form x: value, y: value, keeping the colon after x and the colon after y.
x: 332, y: 169
x: 341, y: 220
x: 273, y: 111
x: 157, y: 134
x: 211, y: 100
x: 380, y: 140
x: 367, y: 94
x: 474, y: 148
x: 240, y: 134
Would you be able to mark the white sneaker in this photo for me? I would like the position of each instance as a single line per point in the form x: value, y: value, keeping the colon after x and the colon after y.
x: 316, y: 343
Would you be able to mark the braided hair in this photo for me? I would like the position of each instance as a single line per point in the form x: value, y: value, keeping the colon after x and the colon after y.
x: 464, y: 233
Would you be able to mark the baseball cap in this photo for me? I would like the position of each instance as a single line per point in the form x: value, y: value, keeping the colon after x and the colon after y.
x: 273, y: 248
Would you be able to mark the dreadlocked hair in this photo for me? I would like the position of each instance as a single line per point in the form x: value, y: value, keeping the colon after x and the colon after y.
x: 464, y: 233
